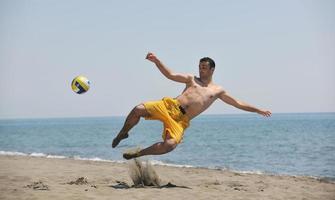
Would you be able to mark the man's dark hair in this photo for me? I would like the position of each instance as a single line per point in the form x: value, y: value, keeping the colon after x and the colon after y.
x: 209, y: 60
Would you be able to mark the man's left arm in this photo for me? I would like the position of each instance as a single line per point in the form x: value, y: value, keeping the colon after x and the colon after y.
x: 241, y: 105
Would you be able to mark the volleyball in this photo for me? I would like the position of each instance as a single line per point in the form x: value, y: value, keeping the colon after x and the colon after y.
x: 80, y: 84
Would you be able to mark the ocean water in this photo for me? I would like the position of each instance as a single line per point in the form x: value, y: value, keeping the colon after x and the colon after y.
x: 290, y: 144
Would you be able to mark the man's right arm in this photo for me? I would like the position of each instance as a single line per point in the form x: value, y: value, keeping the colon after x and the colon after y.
x: 182, y: 78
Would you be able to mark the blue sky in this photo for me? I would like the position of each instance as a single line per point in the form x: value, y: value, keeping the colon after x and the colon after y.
x: 277, y: 55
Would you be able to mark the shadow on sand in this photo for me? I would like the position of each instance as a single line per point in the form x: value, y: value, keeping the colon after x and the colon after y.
x: 123, y: 185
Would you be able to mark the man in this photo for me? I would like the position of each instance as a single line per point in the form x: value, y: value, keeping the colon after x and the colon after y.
x: 176, y: 113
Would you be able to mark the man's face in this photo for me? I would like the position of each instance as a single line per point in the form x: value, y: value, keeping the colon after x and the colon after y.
x: 205, y: 70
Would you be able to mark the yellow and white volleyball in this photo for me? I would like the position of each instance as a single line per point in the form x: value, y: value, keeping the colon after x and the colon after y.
x: 80, y: 84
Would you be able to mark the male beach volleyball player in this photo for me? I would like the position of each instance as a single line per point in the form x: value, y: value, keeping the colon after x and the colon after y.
x: 176, y: 113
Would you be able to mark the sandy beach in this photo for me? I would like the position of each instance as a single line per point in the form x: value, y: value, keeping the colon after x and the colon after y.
x: 23, y: 177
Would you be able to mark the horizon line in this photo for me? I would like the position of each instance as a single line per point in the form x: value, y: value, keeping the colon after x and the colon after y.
x: 108, y: 116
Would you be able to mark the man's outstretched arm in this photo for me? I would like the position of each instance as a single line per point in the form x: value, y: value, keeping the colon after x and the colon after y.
x: 241, y: 105
x: 182, y: 78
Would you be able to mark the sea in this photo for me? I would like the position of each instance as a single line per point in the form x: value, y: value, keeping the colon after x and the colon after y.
x: 300, y: 144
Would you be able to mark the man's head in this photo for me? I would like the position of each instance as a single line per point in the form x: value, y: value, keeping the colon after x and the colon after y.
x: 206, y: 67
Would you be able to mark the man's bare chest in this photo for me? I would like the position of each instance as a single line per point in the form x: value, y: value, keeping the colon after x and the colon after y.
x: 203, y: 92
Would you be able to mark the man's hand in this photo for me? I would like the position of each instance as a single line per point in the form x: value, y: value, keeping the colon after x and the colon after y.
x: 265, y: 113
x: 152, y: 57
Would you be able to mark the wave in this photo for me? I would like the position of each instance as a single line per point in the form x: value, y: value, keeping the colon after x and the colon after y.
x: 158, y: 162
x: 43, y: 155
x: 96, y: 159
x: 11, y: 153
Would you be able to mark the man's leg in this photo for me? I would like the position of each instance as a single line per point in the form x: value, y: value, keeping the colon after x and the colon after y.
x: 156, y: 149
x: 132, y: 119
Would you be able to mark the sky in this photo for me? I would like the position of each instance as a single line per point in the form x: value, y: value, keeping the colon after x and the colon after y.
x: 275, y: 55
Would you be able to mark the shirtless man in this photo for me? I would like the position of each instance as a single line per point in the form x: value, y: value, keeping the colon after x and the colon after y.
x: 176, y: 113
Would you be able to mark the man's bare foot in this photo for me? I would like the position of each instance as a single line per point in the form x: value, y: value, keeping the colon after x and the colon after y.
x: 130, y: 155
x: 118, y: 138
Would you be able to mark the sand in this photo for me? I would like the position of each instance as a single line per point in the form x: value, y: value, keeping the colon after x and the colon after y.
x: 23, y: 177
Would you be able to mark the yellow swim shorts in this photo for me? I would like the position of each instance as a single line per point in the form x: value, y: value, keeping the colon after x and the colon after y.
x: 167, y: 110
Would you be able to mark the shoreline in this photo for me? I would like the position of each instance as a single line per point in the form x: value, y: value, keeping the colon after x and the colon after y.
x: 160, y: 163
x: 18, y: 174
